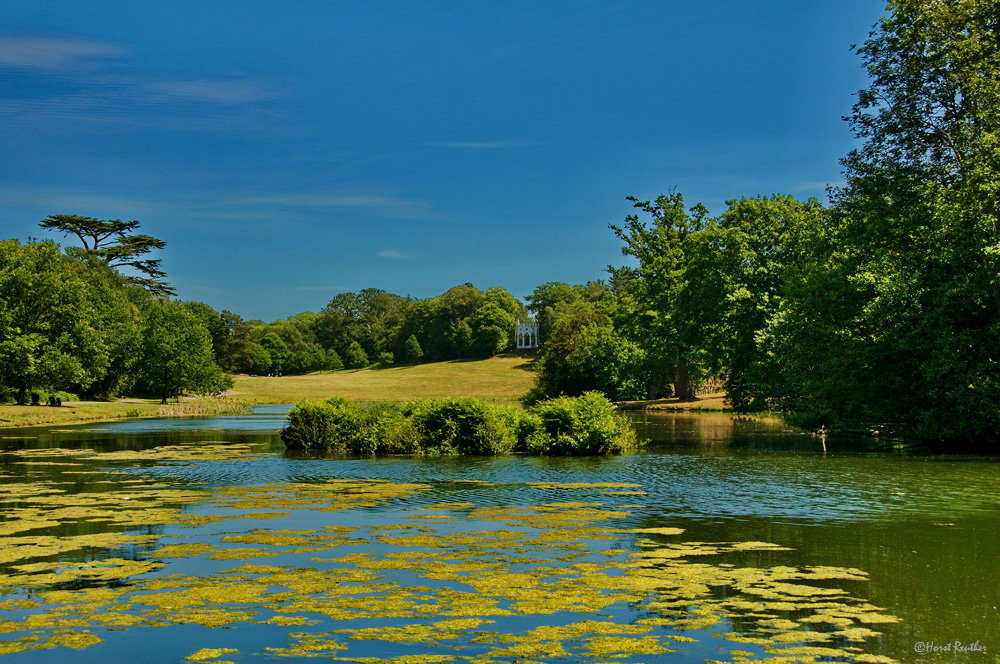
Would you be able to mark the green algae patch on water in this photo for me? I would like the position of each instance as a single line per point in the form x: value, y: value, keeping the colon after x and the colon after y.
x: 464, y: 580
x: 617, y: 646
x: 209, y: 653
x: 447, y: 506
x: 184, y: 550
x: 583, y: 485
x: 658, y: 531
x: 330, y: 496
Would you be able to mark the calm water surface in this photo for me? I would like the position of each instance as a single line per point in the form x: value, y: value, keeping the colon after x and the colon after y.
x: 727, y: 540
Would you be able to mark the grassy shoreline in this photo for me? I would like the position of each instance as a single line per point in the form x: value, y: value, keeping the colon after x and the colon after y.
x: 499, y: 380
x: 714, y: 402
x: 77, y: 412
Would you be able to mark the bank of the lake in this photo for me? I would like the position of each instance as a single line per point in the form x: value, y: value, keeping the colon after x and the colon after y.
x: 498, y: 379
x: 76, y: 412
x: 710, y: 402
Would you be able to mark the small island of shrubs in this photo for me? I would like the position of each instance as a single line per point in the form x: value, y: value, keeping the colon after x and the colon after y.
x: 588, y: 424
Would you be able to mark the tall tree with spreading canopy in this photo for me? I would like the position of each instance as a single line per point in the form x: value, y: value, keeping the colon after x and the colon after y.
x: 764, y: 247
x: 900, y: 326
x: 114, y: 242
x: 63, y: 325
x: 673, y: 310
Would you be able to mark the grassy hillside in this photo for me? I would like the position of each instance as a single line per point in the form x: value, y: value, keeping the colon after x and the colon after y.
x: 497, y: 379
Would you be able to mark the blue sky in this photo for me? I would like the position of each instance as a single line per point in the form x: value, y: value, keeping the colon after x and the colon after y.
x: 291, y: 151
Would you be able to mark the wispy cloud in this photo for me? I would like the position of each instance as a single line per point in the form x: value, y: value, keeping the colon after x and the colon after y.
x: 65, y: 201
x: 812, y: 186
x: 228, y: 91
x: 391, y: 253
x: 53, y: 53
x: 480, y: 145
x: 92, y: 94
x: 389, y: 206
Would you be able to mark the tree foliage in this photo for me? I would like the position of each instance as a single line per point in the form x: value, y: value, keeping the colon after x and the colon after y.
x: 897, y: 322
x: 61, y: 324
x: 764, y: 247
x: 555, y: 301
x: 114, y: 242
x: 674, y: 305
x: 412, y: 351
x: 355, y: 356
x: 175, y: 353
x: 586, y: 353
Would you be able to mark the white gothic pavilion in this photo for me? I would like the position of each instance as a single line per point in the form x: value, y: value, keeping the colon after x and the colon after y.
x: 526, y: 334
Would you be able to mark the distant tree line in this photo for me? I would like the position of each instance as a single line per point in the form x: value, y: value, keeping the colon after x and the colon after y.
x: 371, y: 327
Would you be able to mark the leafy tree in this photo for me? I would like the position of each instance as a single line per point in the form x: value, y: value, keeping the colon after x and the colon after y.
x: 276, y: 350
x: 505, y: 301
x: 423, y: 322
x: 355, y: 357
x: 586, y: 353
x: 555, y: 301
x: 413, y: 353
x: 460, y: 302
x: 674, y: 311
x: 332, y: 361
x: 113, y: 241
x: 258, y: 359
x: 176, y: 353
x: 305, y: 323
x: 117, y: 323
x: 301, y: 352
x: 50, y: 332
x: 763, y: 245
x: 212, y: 321
x: 899, y: 324
x: 233, y: 351
x: 371, y: 317
x: 492, y: 330
x: 462, y: 338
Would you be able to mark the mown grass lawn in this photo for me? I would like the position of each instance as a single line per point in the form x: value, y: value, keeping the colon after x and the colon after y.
x: 495, y: 379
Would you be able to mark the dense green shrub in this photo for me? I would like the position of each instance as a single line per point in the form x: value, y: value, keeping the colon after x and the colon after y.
x: 381, y: 428
x: 318, y: 424
x: 587, y: 424
x: 568, y: 425
x: 465, y: 426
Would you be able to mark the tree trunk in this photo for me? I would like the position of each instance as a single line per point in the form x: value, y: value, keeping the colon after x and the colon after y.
x: 682, y: 383
x: 166, y: 386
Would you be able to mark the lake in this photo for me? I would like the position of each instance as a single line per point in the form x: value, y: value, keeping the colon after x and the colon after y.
x: 727, y: 539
